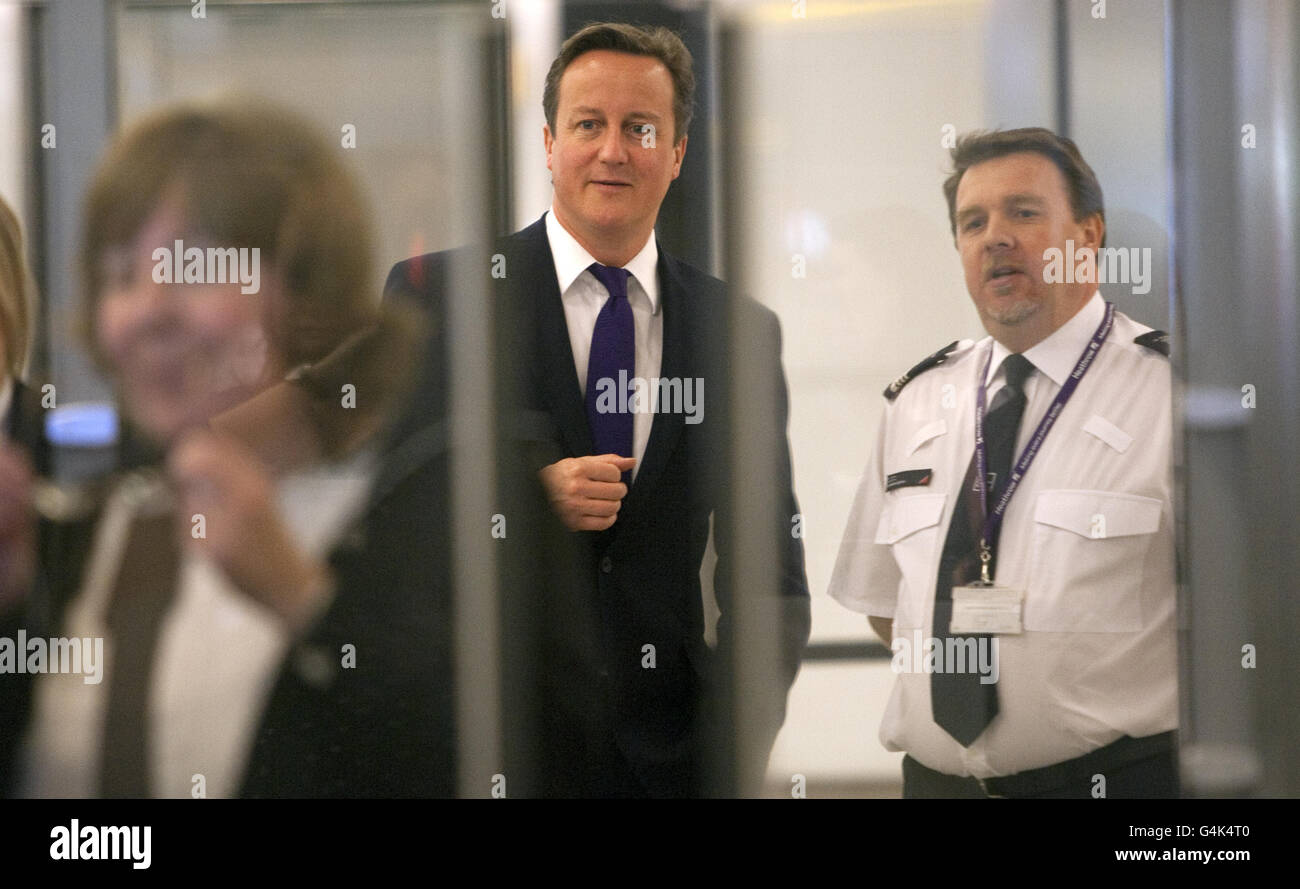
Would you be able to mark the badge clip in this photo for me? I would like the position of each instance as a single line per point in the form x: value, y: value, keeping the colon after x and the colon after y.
x: 986, y: 556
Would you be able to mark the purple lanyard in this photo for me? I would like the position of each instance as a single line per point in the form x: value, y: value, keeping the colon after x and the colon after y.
x: 993, y: 517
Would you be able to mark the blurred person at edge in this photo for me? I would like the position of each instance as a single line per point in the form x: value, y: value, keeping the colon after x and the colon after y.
x: 21, y: 443
x: 289, y: 655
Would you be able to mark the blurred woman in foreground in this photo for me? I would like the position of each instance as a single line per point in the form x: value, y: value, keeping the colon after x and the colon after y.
x: 261, y: 636
x: 21, y: 444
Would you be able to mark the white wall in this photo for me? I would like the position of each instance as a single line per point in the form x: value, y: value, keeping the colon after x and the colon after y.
x: 402, y: 76
x: 534, y: 41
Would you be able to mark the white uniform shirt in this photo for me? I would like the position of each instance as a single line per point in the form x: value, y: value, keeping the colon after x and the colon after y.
x: 1088, y: 537
x: 584, y: 296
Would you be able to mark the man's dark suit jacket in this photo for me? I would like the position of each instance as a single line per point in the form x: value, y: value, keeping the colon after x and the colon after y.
x: 637, y: 583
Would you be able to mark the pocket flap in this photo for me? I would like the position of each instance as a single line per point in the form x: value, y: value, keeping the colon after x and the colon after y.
x: 927, y: 432
x: 1098, y: 514
x: 1103, y: 429
x: 907, y: 515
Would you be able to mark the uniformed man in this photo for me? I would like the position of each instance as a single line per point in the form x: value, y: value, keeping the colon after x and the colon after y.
x: 1013, y: 535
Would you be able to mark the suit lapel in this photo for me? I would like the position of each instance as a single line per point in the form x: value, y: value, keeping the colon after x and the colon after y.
x: 667, y: 425
x: 557, y: 380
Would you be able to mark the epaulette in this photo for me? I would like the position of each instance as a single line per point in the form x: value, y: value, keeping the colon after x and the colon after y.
x: 938, y: 358
x: 1156, y: 340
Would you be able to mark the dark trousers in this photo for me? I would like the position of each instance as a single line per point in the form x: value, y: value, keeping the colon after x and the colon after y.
x: 1132, y: 768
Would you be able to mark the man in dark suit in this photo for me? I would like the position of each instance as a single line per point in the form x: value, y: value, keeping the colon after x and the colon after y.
x: 609, y: 343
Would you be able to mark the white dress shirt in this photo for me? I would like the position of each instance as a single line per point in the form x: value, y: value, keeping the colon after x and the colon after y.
x: 584, y: 296
x: 1088, y: 537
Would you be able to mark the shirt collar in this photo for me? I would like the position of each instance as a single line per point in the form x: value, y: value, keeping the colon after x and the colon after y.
x: 1057, y: 355
x: 572, y: 259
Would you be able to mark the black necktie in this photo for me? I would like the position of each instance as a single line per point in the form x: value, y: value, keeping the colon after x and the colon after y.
x: 961, y: 704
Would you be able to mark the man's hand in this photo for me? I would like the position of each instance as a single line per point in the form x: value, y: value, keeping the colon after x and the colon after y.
x: 586, y: 492
x: 222, y: 480
x: 17, y: 527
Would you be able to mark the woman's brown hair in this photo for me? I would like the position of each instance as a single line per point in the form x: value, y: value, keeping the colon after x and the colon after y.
x: 246, y: 173
x: 16, y: 291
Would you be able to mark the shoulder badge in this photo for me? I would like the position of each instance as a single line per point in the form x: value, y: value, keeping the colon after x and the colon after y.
x: 1156, y: 340
x: 938, y: 358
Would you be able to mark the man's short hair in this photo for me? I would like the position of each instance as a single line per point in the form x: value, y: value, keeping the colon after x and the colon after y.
x: 983, y: 145
x: 658, y: 42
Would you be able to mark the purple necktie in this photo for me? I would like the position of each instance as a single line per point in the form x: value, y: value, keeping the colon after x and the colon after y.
x: 613, y: 349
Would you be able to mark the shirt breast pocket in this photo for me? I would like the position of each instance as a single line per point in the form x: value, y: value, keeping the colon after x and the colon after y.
x: 1088, y: 557
x: 909, y: 526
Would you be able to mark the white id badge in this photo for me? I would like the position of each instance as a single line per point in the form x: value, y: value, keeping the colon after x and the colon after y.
x: 985, y: 609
